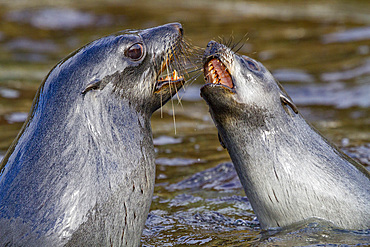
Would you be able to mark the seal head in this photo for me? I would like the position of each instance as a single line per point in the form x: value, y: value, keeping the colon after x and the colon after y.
x: 150, y: 59
x: 289, y: 172
x: 81, y: 171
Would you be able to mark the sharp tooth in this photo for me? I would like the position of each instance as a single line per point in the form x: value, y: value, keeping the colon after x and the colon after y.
x: 214, y: 77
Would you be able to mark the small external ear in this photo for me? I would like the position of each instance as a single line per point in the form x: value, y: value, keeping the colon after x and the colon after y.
x: 221, y: 141
x: 286, y: 101
x: 92, y: 86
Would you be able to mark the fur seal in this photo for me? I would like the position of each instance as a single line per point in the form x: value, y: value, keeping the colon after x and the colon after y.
x: 81, y: 171
x: 289, y: 172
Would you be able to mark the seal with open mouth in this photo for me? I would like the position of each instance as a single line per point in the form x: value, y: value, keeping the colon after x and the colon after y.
x: 81, y: 171
x: 289, y: 172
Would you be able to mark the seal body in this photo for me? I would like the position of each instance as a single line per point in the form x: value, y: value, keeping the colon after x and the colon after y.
x: 81, y: 171
x: 290, y: 173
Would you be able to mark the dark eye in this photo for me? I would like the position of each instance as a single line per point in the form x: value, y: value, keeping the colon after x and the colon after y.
x: 135, y: 52
x: 252, y: 65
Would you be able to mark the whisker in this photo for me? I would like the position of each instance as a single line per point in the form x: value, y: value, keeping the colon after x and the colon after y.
x: 195, y: 77
x: 241, y: 42
x: 174, y: 85
x: 191, y: 80
x: 173, y: 111
x: 195, y: 70
x: 172, y: 105
x: 186, y: 60
x: 161, y: 105
x: 237, y: 50
x: 231, y: 39
x: 178, y: 98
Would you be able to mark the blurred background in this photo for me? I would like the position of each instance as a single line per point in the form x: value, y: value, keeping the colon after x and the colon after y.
x: 318, y: 50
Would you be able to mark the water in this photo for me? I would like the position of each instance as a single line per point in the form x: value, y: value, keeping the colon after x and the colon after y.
x: 318, y: 50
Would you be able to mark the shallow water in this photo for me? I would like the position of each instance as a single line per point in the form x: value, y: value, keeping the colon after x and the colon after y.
x: 318, y: 50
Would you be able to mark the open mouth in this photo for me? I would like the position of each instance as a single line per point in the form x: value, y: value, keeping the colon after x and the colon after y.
x: 215, y: 72
x: 170, y: 78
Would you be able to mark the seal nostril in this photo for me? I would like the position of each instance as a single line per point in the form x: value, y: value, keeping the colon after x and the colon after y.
x: 181, y: 31
x: 178, y: 26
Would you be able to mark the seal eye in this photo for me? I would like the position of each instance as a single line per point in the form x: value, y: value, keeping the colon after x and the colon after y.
x: 252, y: 65
x: 135, y: 52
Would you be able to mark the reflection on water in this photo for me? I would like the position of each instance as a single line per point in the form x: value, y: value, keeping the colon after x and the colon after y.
x: 318, y: 50
x: 57, y: 18
x: 9, y: 93
x: 337, y: 94
x: 348, y: 74
x: 350, y: 35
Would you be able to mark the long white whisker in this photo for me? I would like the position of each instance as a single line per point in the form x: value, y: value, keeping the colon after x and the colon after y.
x: 192, y: 79
x: 172, y: 105
x: 161, y: 106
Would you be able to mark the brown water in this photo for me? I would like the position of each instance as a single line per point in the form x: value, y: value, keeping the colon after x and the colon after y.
x: 320, y: 52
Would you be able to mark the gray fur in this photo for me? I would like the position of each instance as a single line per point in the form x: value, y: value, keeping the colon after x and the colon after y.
x: 81, y: 172
x: 290, y: 173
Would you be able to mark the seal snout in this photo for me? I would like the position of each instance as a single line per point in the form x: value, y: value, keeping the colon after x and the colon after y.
x: 170, y: 70
x: 178, y: 26
x: 211, y: 46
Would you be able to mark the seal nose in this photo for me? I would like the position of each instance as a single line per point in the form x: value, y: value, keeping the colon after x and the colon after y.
x: 211, y: 43
x: 179, y: 28
x: 212, y: 49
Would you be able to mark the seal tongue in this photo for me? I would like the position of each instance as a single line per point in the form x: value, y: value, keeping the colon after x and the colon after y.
x: 216, y: 73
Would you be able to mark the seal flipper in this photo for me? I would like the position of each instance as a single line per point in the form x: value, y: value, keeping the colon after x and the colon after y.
x: 286, y: 101
x: 95, y: 84
x: 221, y: 141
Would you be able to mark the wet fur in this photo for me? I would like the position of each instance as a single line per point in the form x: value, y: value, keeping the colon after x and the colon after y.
x: 81, y: 172
x: 289, y: 172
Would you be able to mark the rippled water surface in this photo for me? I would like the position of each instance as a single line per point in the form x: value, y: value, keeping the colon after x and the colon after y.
x: 319, y: 51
